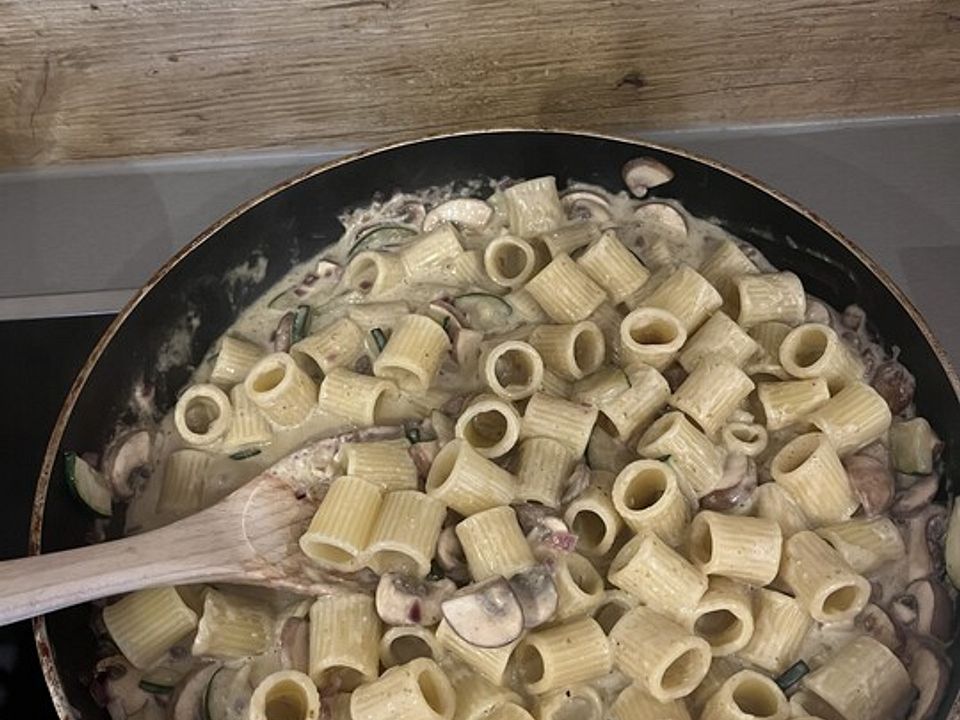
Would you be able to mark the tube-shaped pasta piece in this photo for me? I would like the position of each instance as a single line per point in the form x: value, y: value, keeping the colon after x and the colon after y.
x: 648, y: 498
x: 789, y: 401
x: 603, y: 385
x: 526, y: 307
x: 659, y: 577
x: 592, y: 517
x: 579, y: 587
x: 822, y: 582
x: 285, y: 693
x: 147, y: 623
x: 413, y: 353
x: 686, y: 295
x: 571, y: 351
x: 745, y: 696
x: 493, y: 544
x: 768, y: 297
x: 404, y: 538
x: 543, y: 466
x: 339, y: 344
x: 779, y: 626
x: 697, y: 460
x: 344, y: 640
x: 354, y: 397
x: 613, y: 267
x: 711, y: 393
x: 373, y: 274
x: 721, y: 669
x: 234, y: 359
x: 564, y: 654
x: 769, y: 336
x: 466, y: 481
x: 559, y: 419
x: 913, y: 444
x: 809, y: 469
x: 418, y: 690
x: 512, y: 369
x: 635, y: 703
x: 580, y: 702
x: 403, y: 643
x: 489, y: 663
x: 861, y: 681
x: 509, y: 711
x: 248, y: 426
x: 723, y: 266
x: 813, y: 350
x: 652, y: 336
x: 742, y: 548
x: 490, y: 425
x: 775, y: 503
x: 724, y: 616
x: 340, y: 529
x: 476, y: 696
x: 533, y: 206
x: 607, y: 319
x: 467, y: 270
x: 282, y: 391
x: 555, y: 386
x: 202, y: 415
x: 184, y: 476
x: 386, y: 464
x: 567, y: 239
x: 721, y: 338
x: 743, y: 438
x: 614, y: 605
x: 633, y: 410
x: 865, y: 544
x: 232, y: 627
x: 509, y: 261
x: 854, y: 417
x: 565, y: 292
x: 427, y: 256
x: 662, y: 657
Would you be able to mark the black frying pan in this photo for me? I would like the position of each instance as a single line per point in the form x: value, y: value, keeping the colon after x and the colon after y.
x: 298, y: 218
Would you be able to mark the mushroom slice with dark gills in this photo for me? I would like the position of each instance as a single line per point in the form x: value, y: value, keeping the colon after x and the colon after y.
x: 486, y: 615
x: 738, y: 484
x: 930, y: 673
x: 895, y: 384
x: 406, y: 600
x: 914, y: 497
x: 926, y: 608
x: 450, y: 556
x: 876, y: 622
x: 872, y: 481
x: 536, y: 592
x: 643, y: 173
x: 925, y: 533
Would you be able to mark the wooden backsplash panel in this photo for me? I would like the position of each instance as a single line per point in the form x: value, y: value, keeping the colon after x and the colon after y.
x: 111, y: 78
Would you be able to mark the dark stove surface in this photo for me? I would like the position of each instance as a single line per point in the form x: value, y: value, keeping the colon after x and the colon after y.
x: 39, y: 362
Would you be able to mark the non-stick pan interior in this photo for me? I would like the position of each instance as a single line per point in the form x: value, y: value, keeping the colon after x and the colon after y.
x: 300, y: 219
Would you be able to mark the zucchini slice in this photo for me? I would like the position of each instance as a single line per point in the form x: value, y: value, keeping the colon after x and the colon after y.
x: 483, y: 311
x: 87, y: 485
x: 381, y: 237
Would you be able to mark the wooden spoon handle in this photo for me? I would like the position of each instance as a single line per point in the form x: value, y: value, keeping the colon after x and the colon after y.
x: 178, y: 553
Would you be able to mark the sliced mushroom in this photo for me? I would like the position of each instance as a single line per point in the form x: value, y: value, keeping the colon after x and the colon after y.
x: 930, y: 673
x: 585, y: 205
x: 463, y: 213
x: 294, y: 644
x: 818, y: 312
x: 450, y: 556
x: 853, y: 317
x: 534, y: 516
x: 423, y: 454
x: 643, y: 173
x: 128, y: 461
x: 925, y: 534
x: 666, y: 219
x: 914, y: 498
x: 187, y: 700
x: 577, y: 482
x: 283, y: 335
x: 536, y: 592
x: 486, y: 615
x: 876, y: 623
x: 895, y: 384
x: 406, y: 600
x: 926, y: 608
x: 872, y: 481
x: 739, y: 482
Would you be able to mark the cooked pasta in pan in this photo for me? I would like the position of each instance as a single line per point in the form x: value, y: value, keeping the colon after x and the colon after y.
x: 577, y: 469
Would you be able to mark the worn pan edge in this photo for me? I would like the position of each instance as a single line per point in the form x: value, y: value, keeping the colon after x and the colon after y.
x: 47, y: 662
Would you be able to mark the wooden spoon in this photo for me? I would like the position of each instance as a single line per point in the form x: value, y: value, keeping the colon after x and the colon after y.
x: 249, y: 537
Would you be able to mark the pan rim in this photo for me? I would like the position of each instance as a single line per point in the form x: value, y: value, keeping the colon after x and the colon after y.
x: 41, y: 637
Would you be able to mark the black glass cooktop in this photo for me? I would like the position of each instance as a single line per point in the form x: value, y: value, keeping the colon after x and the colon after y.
x: 39, y: 361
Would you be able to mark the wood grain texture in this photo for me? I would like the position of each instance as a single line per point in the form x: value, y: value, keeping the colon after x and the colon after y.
x: 112, y: 78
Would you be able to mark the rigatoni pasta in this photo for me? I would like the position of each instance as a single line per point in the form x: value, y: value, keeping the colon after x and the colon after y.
x: 413, y: 353
x: 234, y: 359
x: 648, y: 498
x: 719, y: 338
x: 854, y: 417
x: 493, y: 544
x: 564, y: 654
x: 697, y: 460
x: 542, y: 467
x: 809, y: 469
x: 490, y: 425
x: 747, y: 695
x: 816, y: 351
x: 594, y: 519
x: 340, y: 530
x: 418, y: 690
x: 724, y: 616
x: 686, y: 295
x: 386, y: 464
x: 790, y: 401
x: 147, y: 623
x: 566, y: 422
x: 565, y: 292
x: 711, y: 393
x: 613, y: 267
x: 466, y: 481
x: 202, y: 415
x: 232, y: 627
x: 571, y: 351
x: 512, y: 369
x: 652, y: 336
x: 339, y: 344
x: 354, y: 397
x: 780, y: 623
x: 822, y: 582
x: 344, y: 641
x: 865, y: 544
x: 404, y: 537
x: 634, y: 408
x: 768, y: 297
x: 742, y: 548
